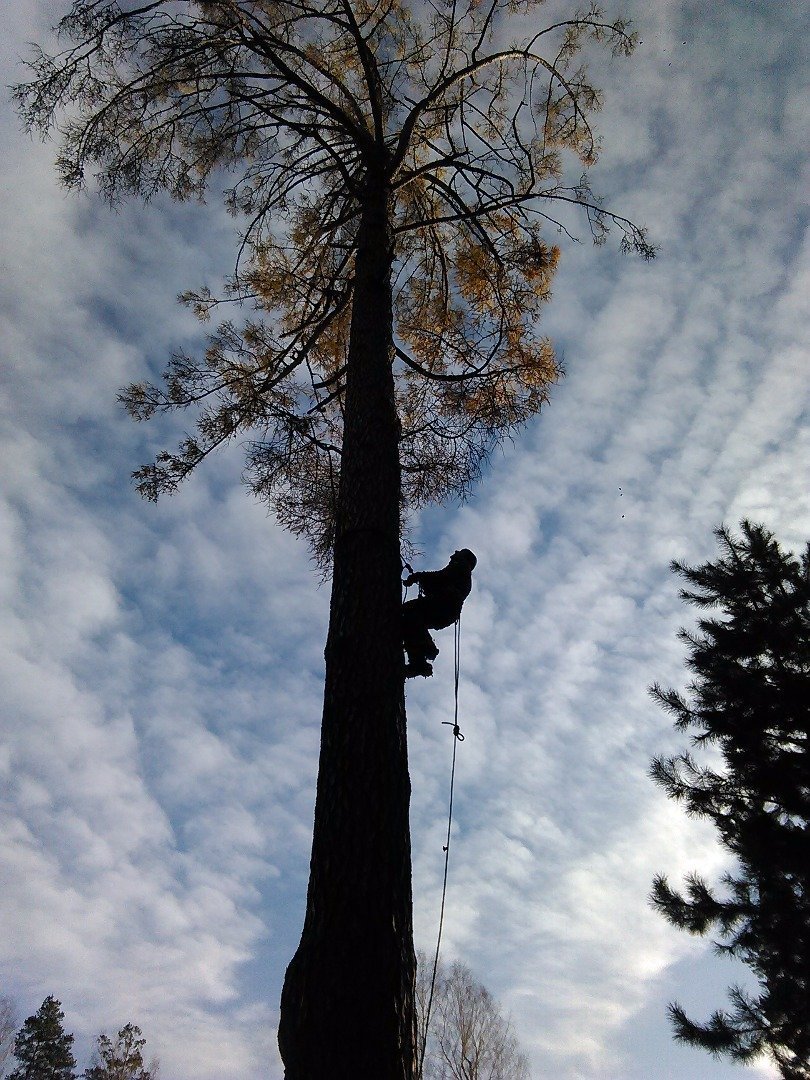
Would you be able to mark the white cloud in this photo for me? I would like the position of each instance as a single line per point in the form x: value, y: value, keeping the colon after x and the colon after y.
x: 685, y: 405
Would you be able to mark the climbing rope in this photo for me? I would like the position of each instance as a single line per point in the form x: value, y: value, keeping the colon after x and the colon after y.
x: 457, y: 738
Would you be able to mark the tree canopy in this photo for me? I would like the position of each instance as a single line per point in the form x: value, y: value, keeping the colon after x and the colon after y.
x: 749, y: 700
x: 462, y: 112
x: 120, y: 1058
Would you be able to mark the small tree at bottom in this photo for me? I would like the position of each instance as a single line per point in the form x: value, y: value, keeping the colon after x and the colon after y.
x: 465, y: 1035
x: 122, y: 1058
x: 749, y: 699
x: 42, y: 1048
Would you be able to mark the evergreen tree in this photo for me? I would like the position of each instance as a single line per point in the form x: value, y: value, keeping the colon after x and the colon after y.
x: 122, y: 1058
x: 42, y: 1048
x: 396, y: 166
x: 749, y: 699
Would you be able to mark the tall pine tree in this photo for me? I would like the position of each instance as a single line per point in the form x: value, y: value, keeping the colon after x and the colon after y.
x: 396, y: 168
x: 42, y: 1048
x: 749, y: 699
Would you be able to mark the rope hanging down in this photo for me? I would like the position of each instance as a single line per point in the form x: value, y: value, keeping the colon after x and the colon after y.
x: 457, y: 738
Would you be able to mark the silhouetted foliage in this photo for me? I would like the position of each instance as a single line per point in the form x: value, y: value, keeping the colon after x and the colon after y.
x: 122, y: 1058
x: 42, y: 1048
x: 317, y: 109
x: 749, y: 700
x: 468, y: 1038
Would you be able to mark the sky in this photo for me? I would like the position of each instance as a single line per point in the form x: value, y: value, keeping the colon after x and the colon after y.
x: 161, y: 666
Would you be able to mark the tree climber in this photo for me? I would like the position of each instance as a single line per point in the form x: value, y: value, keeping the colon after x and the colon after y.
x: 441, y: 596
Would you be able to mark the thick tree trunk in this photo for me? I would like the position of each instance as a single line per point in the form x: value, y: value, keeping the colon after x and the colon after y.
x: 347, y: 1003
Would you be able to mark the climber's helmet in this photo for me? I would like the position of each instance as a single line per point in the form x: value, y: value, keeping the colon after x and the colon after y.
x: 466, y: 557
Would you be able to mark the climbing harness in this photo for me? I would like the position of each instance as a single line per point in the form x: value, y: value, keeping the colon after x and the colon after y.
x: 406, y: 566
x: 457, y: 738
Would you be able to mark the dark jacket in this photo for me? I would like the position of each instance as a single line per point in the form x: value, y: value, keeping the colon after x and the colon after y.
x: 444, y: 591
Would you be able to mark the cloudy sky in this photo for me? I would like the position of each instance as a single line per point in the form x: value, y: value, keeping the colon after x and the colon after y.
x: 161, y: 667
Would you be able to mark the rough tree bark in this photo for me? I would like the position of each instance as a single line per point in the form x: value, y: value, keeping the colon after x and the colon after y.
x: 347, y: 1005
